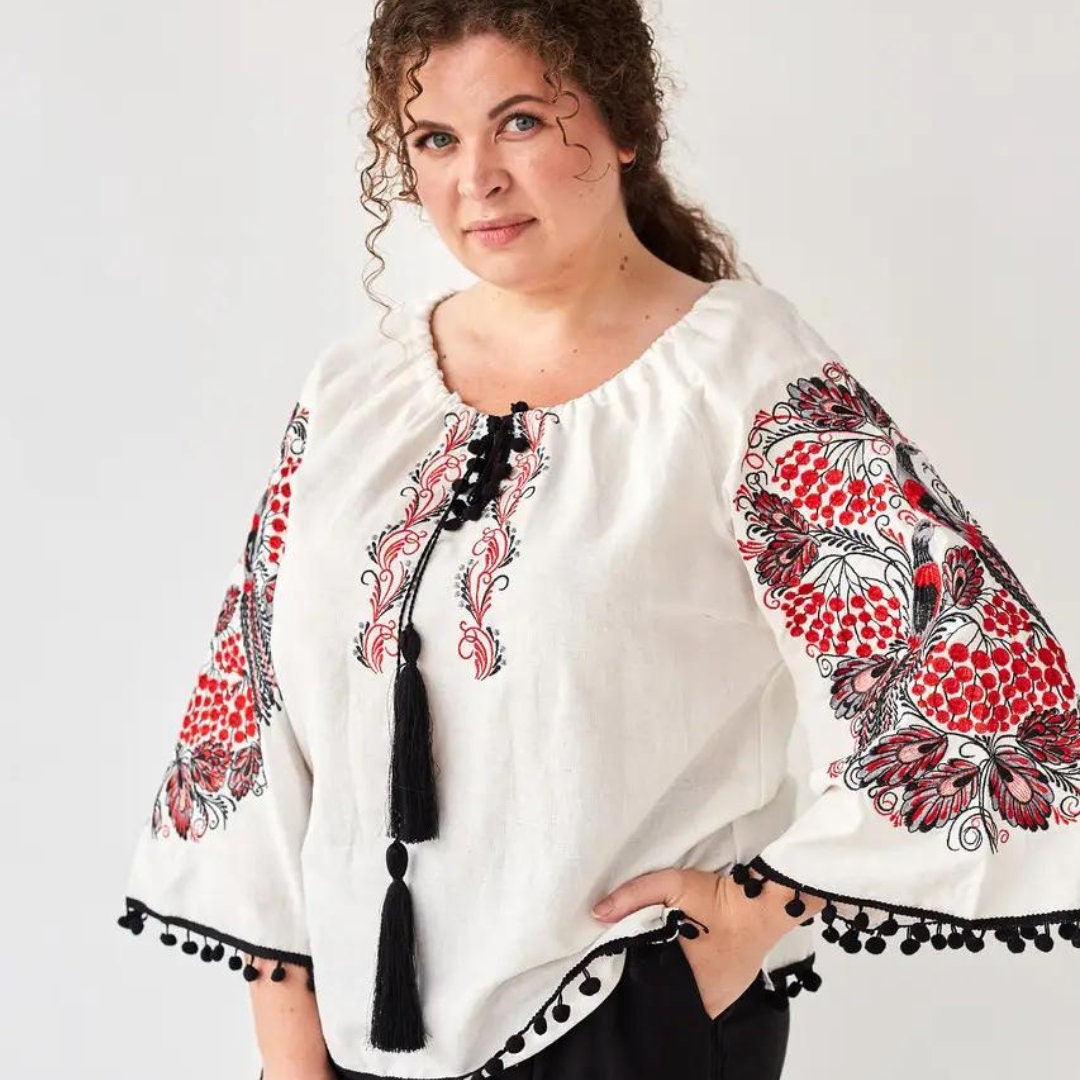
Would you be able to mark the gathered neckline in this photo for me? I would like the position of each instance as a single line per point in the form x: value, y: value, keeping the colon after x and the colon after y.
x: 421, y: 338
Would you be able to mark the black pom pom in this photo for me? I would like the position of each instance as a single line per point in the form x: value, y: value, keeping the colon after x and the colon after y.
x: 850, y: 941
x: 560, y: 1012
x: 132, y: 922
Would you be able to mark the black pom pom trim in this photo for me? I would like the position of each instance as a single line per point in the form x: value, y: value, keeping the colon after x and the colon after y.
x: 214, y: 944
x: 940, y: 930
x: 792, y: 979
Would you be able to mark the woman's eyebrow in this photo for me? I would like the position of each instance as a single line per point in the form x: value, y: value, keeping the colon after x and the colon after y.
x: 492, y: 112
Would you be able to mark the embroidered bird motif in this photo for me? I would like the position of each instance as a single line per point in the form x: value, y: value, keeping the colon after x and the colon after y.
x: 916, y: 477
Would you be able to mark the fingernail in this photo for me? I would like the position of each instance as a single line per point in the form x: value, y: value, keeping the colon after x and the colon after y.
x: 604, y: 906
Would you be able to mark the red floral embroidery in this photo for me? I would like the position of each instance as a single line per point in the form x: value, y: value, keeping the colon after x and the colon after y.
x: 484, y: 574
x: 395, y: 548
x: 218, y: 757
x: 958, y: 697
x: 390, y: 550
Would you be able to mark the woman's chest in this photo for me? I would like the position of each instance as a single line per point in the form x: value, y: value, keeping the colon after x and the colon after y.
x: 596, y: 534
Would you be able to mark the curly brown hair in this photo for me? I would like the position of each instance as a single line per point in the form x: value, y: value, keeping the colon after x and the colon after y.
x: 605, y: 47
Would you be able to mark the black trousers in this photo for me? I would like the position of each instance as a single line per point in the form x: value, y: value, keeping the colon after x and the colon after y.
x: 653, y: 1026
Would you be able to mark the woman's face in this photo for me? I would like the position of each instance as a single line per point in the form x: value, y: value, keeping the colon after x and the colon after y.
x: 479, y: 151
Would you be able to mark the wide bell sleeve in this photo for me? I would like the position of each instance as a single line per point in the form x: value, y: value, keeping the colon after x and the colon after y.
x: 937, y: 704
x: 216, y: 867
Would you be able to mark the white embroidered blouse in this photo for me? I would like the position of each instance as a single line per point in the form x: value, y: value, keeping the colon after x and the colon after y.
x: 472, y: 672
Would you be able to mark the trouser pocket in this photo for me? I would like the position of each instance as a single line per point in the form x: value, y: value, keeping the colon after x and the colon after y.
x: 749, y: 1038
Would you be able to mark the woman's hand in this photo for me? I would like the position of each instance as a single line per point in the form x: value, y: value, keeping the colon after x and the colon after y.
x: 726, y: 959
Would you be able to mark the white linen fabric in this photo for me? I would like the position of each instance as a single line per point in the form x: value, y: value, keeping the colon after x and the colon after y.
x: 626, y: 618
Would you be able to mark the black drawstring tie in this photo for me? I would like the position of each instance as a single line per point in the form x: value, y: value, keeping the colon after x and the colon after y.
x: 396, y: 1019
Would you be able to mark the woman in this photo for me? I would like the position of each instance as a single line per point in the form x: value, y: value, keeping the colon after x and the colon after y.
x: 553, y: 573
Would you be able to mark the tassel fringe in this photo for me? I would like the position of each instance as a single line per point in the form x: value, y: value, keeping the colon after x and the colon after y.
x: 134, y: 920
x: 396, y: 1019
x: 939, y: 930
x: 413, y: 807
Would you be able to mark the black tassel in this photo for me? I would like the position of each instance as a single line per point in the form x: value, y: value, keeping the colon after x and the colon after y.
x: 396, y: 1020
x: 396, y: 1017
x: 414, y: 812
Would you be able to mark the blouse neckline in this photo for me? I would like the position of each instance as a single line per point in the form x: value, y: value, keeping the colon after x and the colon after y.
x: 420, y: 338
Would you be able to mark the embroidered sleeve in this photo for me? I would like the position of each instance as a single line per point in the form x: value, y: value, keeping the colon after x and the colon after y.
x: 938, y: 706
x: 216, y: 867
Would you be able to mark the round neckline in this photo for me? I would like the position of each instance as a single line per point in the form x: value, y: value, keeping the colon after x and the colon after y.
x: 422, y: 340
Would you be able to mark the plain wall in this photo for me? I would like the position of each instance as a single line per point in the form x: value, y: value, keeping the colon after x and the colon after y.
x: 182, y: 235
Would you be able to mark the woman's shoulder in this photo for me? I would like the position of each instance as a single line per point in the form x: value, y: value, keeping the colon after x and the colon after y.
x: 363, y: 360
x: 751, y: 335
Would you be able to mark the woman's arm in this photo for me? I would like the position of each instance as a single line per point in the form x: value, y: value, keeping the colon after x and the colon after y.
x: 287, y: 1027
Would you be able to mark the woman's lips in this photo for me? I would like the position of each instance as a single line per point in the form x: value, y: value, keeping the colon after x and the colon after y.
x: 503, y: 236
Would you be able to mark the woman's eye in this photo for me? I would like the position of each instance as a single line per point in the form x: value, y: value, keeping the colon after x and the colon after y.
x: 422, y: 142
x: 523, y: 116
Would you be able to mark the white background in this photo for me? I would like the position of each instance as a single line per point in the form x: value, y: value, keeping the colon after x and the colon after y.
x: 181, y: 235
